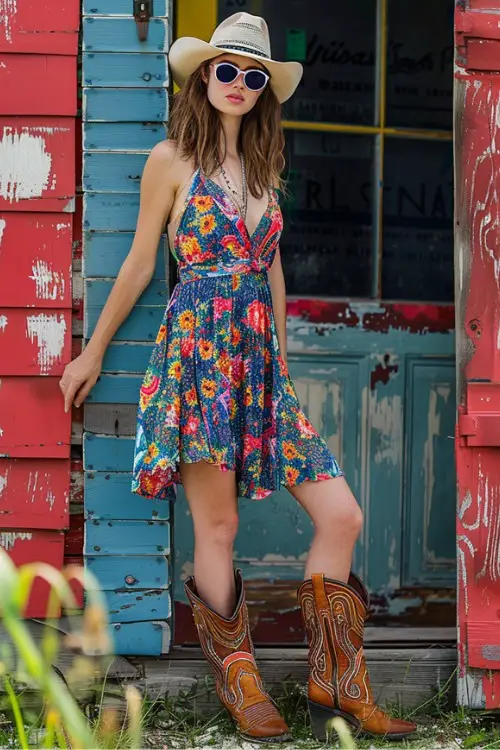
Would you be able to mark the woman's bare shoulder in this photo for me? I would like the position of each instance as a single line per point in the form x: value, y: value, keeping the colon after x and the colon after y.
x: 167, y: 155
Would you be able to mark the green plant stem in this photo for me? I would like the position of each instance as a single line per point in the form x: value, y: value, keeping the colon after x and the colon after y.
x: 18, y: 717
x: 56, y: 693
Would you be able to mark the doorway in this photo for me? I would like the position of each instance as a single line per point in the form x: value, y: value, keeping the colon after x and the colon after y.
x: 368, y: 259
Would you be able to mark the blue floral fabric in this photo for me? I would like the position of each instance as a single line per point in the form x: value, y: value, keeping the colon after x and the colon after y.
x: 216, y: 388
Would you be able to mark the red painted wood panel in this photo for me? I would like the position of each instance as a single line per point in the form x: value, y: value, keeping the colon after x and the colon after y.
x: 41, y: 26
x: 38, y: 164
x: 37, y: 85
x: 35, y: 253
x: 478, y: 306
x: 34, y: 342
x: 75, y: 585
x: 34, y: 493
x: 32, y: 419
x: 28, y: 546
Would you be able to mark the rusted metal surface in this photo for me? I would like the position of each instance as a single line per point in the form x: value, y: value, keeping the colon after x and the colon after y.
x: 478, y: 315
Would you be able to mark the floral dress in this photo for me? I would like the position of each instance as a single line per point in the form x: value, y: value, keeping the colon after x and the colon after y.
x: 216, y: 388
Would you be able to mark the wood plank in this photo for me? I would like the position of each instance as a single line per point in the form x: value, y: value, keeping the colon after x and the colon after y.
x: 40, y: 27
x: 34, y: 493
x: 74, y: 537
x: 38, y: 85
x: 37, y: 170
x: 102, y: 34
x: 97, y: 293
x: 29, y: 546
x: 127, y: 572
x: 127, y: 356
x: 119, y: 8
x: 110, y: 419
x: 483, y: 642
x: 123, y: 105
x: 142, y: 324
x: 32, y: 421
x: 141, y: 638
x: 107, y: 453
x: 125, y: 69
x: 138, y: 605
x: 111, y: 537
x: 116, y: 389
x: 403, y: 677
x: 34, y: 260
x: 123, y: 136
x: 106, y: 251
x: 40, y: 339
x: 113, y: 172
x: 108, y: 496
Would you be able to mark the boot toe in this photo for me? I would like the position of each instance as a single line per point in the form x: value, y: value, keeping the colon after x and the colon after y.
x: 400, y: 728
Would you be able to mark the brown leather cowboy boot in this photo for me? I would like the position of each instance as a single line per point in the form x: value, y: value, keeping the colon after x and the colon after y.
x: 228, y: 647
x: 334, y: 615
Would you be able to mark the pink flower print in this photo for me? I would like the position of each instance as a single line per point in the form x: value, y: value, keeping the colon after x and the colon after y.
x: 222, y: 305
x: 256, y: 316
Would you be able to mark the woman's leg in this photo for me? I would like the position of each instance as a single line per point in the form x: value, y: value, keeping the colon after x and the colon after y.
x: 211, y: 494
x: 217, y: 597
x: 337, y: 520
x: 334, y: 606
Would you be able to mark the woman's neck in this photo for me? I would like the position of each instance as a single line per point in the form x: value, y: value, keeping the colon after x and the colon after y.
x: 230, y: 135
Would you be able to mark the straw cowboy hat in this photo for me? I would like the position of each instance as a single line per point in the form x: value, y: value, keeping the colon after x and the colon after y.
x: 240, y: 34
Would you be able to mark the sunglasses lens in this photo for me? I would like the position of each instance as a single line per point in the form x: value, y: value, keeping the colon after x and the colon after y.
x: 255, y: 80
x: 226, y: 73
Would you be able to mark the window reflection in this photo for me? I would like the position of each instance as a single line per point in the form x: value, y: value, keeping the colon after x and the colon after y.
x: 420, y: 64
x: 327, y: 242
x: 418, y: 227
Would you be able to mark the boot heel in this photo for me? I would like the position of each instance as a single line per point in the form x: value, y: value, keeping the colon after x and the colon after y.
x: 321, y: 715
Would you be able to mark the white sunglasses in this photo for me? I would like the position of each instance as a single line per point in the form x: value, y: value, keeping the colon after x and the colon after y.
x: 254, y: 79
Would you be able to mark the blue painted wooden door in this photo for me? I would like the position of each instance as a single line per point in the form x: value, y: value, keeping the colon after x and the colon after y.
x: 368, y: 258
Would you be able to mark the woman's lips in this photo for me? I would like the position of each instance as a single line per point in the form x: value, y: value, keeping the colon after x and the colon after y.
x: 235, y: 98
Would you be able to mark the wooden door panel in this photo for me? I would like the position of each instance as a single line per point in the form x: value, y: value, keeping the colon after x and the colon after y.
x: 430, y: 473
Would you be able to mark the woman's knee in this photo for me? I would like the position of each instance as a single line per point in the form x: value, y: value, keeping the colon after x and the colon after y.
x: 218, y: 530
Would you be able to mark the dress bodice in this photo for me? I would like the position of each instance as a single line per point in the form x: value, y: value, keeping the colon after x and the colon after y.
x: 212, y: 239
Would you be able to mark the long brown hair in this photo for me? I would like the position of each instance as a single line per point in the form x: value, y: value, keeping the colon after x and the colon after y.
x: 196, y: 127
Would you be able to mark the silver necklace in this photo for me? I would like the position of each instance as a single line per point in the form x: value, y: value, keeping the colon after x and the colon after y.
x: 243, y: 202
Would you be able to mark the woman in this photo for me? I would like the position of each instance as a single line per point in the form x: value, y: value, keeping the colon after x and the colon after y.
x: 218, y: 411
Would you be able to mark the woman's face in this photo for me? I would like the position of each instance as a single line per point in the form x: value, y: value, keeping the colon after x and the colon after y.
x: 232, y: 98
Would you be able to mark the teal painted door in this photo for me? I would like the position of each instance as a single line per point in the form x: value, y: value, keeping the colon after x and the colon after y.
x: 368, y: 259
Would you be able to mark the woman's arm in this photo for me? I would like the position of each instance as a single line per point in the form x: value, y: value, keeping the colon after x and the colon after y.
x: 158, y: 185
x: 278, y: 293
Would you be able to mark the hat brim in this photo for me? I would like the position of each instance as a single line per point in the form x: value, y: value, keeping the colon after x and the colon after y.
x: 188, y: 53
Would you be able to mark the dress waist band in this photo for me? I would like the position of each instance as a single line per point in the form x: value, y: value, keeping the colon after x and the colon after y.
x: 193, y: 272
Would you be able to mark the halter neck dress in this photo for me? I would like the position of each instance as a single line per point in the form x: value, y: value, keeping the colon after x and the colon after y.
x: 216, y: 388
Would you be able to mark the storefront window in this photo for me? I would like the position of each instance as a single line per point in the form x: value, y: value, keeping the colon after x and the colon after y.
x: 369, y: 146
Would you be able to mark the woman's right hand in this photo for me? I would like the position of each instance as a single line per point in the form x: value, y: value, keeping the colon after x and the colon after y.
x: 79, y: 377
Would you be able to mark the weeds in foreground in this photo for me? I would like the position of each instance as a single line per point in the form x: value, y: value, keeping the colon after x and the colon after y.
x: 61, y: 722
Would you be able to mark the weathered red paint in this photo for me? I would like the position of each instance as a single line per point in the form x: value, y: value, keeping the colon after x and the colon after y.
x: 48, y: 145
x: 381, y: 317
x: 382, y: 372
x: 478, y: 271
x: 73, y: 542
x: 41, y: 340
x: 41, y: 26
x: 34, y: 493
x: 38, y: 100
x: 48, y: 84
x: 32, y: 418
x: 27, y: 546
x: 34, y: 266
